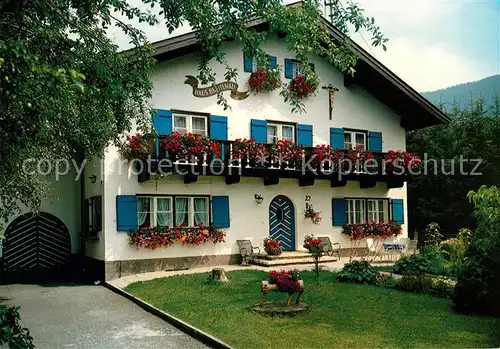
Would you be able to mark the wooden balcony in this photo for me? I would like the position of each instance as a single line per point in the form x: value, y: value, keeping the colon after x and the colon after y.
x: 271, y: 170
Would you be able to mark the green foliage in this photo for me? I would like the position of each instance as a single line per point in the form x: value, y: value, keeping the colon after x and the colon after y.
x: 425, y: 284
x: 477, y: 289
x: 436, y: 197
x: 12, y: 332
x: 66, y: 92
x: 453, y: 251
x: 358, y: 272
x: 435, y: 256
x: 412, y: 265
x: 432, y: 235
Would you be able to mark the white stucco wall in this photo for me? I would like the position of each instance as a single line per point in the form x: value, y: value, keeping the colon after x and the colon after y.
x: 64, y: 203
x: 354, y: 108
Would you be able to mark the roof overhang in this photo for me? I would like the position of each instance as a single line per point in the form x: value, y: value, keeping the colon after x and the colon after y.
x: 415, y: 110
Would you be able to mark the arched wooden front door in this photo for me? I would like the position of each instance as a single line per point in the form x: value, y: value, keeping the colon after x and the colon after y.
x: 36, y: 248
x: 282, y: 222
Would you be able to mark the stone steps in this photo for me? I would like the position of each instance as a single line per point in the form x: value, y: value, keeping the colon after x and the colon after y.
x: 307, y: 259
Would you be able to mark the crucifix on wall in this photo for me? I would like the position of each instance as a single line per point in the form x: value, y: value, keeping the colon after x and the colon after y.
x: 331, y: 98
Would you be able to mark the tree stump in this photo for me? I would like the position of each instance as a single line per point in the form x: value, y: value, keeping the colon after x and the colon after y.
x: 219, y: 275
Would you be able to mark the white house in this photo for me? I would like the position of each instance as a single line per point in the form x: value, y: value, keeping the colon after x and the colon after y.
x: 372, y: 109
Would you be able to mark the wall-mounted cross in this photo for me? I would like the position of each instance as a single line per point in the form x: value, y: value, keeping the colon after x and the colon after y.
x: 331, y: 97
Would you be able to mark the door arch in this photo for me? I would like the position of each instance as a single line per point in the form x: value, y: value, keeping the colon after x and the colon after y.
x: 37, y: 247
x: 282, y: 222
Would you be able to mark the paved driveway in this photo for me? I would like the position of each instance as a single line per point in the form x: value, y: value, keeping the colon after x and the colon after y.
x: 90, y: 317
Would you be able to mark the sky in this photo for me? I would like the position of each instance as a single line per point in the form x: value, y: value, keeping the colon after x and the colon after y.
x: 432, y: 44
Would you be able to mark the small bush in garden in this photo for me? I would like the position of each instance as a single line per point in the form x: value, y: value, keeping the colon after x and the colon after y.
x: 434, y: 254
x: 478, y: 286
x: 432, y: 235
x: 416, y: 284
x: 412, y: 265
x: 453, y: 251
x: 442, y: 288
x: 358, y: 272
x: 385, y: 280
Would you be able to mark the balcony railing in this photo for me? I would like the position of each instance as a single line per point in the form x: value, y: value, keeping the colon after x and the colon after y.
x: 272, y: 168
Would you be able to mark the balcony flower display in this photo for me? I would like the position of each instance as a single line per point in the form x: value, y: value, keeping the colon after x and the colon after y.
x: 265, y: 79
x: 359, y: 155
x: 400, y: 160
x: 249, y: 150
x: 272, y: 247
x: 189, y: 146
x: 325, y: 153
x: 134, y: 147
x: 287, y: 280
x: 314, y: 216
x: 287, y: 152
x: 303, y: 86
x: 154, y: 237
x: 381, y: 230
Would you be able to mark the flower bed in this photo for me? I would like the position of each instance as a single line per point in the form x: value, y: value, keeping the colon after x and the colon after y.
x: 287, y: 280
x: 249, y: 151
x: 375, y: 230
x: 265, y: 79
x: 153, y: 237
x: 272, y: 247
x: 400, y: 159
x: 189, y: 146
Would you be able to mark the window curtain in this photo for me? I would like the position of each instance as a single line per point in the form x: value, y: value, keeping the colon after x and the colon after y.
x: 287, y: 133
x: 181, y: 212
x: 143, y: 210
x: 163, y: 212
x: 201, y: 211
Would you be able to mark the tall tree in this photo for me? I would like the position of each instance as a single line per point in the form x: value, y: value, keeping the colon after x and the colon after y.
x: 439, y: 196
x: 64, y: 89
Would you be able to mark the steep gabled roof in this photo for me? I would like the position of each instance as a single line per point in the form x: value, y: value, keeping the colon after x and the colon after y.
x: 415, y: 110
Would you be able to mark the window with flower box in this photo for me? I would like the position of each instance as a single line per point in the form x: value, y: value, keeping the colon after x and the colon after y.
x: 354, y: 139
x: 280, y: 132
x: 186, y: 123
x: 366, y: 210
x: 171, y: 211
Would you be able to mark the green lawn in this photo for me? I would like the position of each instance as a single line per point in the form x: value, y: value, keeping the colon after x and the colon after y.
x: 340, y: 315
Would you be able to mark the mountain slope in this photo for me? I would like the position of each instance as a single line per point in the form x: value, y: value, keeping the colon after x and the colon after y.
x: 463, y: 93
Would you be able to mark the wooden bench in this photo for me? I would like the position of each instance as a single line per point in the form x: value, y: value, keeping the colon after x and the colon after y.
x: 267, y: 287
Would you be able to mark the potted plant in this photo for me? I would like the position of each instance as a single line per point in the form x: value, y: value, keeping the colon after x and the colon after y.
x: 324, y: 153
x: 134, y: 147
x: 315, y: 247
x: 402, y: 160
x: 265, y: 79
x: 272, y: 247
x: 314, y: 216
x: 190, y: 146
x: 287, y: 153
x: 303, y: 86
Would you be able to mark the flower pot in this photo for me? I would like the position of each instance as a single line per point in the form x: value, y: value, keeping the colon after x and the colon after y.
x: 274, y: 251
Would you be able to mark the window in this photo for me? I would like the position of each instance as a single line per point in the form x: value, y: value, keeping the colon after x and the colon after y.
x: 94, y: 215
x: 356, y: 211
x: 185, y: 123
x: 378, y: 210
x: 296, y: 68
x: 354, y: 139
x: 279, y: 132
x: 366, y: 210
x: 172, y: 211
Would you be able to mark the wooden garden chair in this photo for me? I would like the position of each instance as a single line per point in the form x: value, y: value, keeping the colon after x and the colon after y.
x: 330, y: 248
x: 247, y: 251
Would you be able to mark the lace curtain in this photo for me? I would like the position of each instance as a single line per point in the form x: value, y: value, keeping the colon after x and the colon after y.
x: 201, y: 211
x: 164, y: 212
x: 181, y: 211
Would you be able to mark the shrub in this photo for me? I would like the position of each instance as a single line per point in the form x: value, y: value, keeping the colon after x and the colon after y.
x: 385, y: 280
x: 434, y: 255
x: 453, y: 251
x: 477, y: 289
x: 11, y: 331
x: 432, y: 235
x: 416, y: 284
x: 412, y: 265
x: 358, y: 272
x: 442, y: 288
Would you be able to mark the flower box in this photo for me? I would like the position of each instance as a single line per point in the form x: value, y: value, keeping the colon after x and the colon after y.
x: 265, y: 79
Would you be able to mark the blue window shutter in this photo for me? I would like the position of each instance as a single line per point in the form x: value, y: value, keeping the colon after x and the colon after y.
x: 338, y: 212
x: 247, y: 63
x: 272, y: 62
x: 220, y: 211
x: 375, y: 141
x: 305, y: 135
x: 288, y: 68
x: 218, y: 127
x: 398, y: 211
x: 337, y: 137
x: 258, y: 130
x: 126, y: 212
x: 162, y: 122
